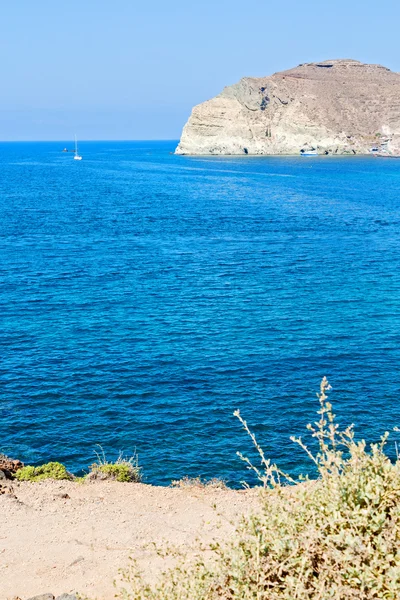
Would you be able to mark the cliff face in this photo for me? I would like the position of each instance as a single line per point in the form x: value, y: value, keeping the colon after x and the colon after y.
x: 336, y: 106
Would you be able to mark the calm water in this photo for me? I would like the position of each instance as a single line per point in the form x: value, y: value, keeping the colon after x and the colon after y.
x: 145, y: 296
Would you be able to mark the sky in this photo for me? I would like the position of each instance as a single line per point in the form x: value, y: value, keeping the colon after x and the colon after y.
x: 132, y: 69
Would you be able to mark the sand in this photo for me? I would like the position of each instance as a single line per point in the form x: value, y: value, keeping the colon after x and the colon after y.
x: 58, y: 544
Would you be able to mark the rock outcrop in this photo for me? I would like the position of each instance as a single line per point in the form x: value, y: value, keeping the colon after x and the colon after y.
x: 9, y: 466
x: 336, y: 106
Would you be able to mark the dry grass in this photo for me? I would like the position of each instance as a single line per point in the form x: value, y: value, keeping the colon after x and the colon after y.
x: 335, y: 537
x: 198, y: 483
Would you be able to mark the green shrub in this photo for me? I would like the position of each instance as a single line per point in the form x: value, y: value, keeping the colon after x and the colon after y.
x: 334, y: 537
x: 123, y: 469
x: 119, y: 472
x: 51, y: 470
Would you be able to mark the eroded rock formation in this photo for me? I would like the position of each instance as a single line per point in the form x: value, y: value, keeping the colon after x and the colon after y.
x: 336, y: 106
x: 9, y: 466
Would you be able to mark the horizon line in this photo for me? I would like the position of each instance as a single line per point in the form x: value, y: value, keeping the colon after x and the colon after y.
x: 90, y: 140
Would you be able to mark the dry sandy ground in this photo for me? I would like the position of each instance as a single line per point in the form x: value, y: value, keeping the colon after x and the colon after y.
x: 77, y: 544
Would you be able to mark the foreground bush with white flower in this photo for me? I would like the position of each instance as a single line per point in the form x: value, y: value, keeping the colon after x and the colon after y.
x: 337, y: 536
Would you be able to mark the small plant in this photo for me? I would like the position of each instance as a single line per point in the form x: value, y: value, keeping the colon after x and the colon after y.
x: 124, y: 469
x: 197, y: 482
x: 51, y: 470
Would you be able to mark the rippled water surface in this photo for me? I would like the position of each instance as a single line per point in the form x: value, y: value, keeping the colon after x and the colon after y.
x: 145, y: 296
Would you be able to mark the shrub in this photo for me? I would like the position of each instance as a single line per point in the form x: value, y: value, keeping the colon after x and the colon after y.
x: 334, y: 537
x: 51, y: 470
x: 124, y: 469
x: 197, y: 482
x: 119, y: 472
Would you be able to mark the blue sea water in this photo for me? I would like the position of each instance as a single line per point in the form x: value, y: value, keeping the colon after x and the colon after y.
x: 145, y: 296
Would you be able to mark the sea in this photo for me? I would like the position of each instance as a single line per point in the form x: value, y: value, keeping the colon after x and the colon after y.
x: 145, y: 296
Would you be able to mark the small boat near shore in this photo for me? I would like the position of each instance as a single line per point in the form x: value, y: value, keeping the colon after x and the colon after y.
x: 311, y: 152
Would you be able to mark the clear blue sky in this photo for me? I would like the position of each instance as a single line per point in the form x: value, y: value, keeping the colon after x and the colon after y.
x: 133, y: 70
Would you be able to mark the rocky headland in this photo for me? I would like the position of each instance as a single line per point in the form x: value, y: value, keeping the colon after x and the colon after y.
x: 335, y: 107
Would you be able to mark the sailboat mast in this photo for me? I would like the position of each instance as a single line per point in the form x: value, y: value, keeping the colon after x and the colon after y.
x: 77, y: 157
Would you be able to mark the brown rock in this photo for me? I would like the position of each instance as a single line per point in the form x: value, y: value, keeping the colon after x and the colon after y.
x: 335, y: 107
x: 9, y: 466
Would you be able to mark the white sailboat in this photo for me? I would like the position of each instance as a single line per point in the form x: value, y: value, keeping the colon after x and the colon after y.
x: 77, y: 156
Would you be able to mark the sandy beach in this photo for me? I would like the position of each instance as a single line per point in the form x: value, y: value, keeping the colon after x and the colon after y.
x: 67, y: 537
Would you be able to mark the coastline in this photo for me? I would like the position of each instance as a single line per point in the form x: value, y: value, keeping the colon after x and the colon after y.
x: 70, y: 537
x: 284, y: 155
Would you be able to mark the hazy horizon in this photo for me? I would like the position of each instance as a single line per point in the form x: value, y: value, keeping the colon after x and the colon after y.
x: 71, y: 140
x: 135, y: 72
